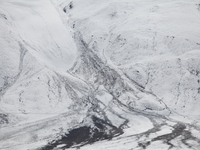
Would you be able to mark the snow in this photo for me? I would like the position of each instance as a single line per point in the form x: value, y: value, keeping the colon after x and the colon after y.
x: 38, y: 24
x: 150, y: 47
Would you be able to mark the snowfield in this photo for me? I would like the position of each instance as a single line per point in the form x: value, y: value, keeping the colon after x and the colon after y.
x: 93, y: 75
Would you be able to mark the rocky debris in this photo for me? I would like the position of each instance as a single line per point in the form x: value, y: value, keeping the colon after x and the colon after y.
x: 3, y: 119
x: 179, y: 130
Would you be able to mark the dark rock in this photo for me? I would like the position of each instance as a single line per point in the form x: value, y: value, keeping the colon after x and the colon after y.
x: 3, y: 119
x: 86, y: 135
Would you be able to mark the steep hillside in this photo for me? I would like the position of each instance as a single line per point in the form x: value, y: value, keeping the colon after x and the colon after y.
x: 154, y: 43
x: 99, y: 74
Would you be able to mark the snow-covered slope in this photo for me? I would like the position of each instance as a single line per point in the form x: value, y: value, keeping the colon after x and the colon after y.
x: 121, y: 74
x: 155, y: 43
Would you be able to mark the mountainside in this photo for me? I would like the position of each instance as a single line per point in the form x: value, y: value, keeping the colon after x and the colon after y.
x: 95, y: 75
